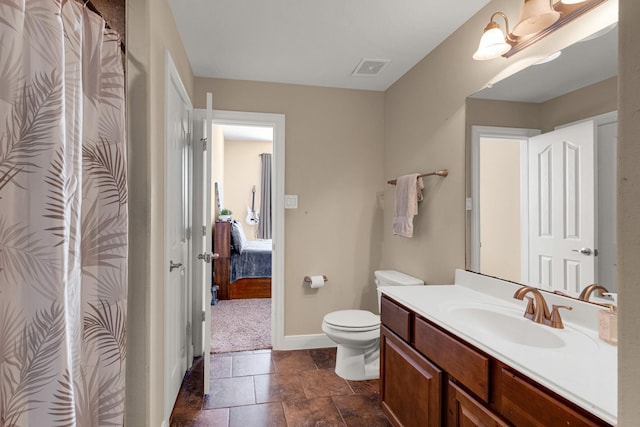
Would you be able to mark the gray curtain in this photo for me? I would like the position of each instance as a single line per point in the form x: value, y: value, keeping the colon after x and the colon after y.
x: 264, y: 226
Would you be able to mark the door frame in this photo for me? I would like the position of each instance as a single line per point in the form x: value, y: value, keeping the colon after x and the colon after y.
x: 519, y: 134
x: 172, y: 77
x: 277, y: 122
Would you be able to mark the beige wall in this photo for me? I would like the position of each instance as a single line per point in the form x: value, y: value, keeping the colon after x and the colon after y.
x: 628, y: 208
x: 333, y: 153
x: 242, y: 170
x: 217, y: 167
x: 500, y: 208
x: 587, y: 102
x: 150, y: 30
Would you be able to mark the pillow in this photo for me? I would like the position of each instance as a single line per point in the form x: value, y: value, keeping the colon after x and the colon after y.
x: 238, y: 237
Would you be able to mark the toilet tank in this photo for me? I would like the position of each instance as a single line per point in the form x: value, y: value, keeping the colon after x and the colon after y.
x: 393, y: 278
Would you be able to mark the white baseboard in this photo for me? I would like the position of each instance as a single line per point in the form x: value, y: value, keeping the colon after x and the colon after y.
x: 305, y: 342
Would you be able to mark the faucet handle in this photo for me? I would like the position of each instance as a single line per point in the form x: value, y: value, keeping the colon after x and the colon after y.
x: 555, y: 321
x: 530, y: 311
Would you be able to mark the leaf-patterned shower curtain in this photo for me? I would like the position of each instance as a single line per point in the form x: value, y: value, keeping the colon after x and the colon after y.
x: 63, y: 217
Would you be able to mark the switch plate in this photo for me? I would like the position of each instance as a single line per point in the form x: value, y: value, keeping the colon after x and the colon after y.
x: 291, y: 201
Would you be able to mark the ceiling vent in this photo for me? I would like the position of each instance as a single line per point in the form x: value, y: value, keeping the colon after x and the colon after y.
x: 370, y: 67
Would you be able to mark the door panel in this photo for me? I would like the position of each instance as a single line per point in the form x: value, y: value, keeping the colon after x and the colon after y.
x: 202, y: 236
x: 176, y: 293
x: 562, y: 206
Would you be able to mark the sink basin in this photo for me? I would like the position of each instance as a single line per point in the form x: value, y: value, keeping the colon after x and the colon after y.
x: 506, y: 325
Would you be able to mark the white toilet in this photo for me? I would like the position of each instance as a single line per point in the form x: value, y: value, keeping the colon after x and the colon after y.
x: 357, y: 332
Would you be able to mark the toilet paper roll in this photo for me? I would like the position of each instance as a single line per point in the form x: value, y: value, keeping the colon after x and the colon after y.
x: 317, y: 281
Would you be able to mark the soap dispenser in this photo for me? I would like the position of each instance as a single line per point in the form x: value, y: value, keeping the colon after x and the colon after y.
x: 608, y: 323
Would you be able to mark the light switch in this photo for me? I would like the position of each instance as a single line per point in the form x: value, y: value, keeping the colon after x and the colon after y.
x: 291, y: 201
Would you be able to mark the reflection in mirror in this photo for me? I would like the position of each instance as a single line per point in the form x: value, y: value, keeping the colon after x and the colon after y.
x: 544, y: 206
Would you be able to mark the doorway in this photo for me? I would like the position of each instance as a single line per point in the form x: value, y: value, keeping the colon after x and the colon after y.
x: 275, y: 123
x: 241, y: 214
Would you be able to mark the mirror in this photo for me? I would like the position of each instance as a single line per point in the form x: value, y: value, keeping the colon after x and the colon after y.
x: 510, y: 181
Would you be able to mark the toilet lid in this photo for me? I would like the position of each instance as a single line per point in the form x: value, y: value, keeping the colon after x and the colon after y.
x: 356, y: 319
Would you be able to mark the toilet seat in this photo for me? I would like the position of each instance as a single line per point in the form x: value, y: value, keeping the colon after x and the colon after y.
x: 353, y: 320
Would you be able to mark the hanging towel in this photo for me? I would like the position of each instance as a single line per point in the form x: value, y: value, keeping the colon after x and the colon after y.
x: 408, y: 194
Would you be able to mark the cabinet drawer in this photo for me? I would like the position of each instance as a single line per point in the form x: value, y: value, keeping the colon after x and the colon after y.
x: 525, y: 405
x: 396, y: 318
x: 467, y: 366
x: 464, y: 410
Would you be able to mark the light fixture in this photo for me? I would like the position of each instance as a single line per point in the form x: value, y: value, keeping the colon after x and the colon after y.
x: 538, y: 18
x: 535, y: 16
x: 493, y: 42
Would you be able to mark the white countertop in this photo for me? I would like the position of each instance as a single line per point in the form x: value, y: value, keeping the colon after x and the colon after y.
x: 583, y: 369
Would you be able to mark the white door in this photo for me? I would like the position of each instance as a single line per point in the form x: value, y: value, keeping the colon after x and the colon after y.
x: 176, y: 294
x: 562, y: 206
x: 202, y: 236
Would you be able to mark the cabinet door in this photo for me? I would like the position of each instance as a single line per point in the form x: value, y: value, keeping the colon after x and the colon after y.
x: 411, y: 387
x: 465, y: 411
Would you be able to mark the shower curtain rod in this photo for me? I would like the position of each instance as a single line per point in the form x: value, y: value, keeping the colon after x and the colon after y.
x: 92, y: 7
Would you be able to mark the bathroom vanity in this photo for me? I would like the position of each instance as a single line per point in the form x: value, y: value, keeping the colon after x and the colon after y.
x: 461, y: 356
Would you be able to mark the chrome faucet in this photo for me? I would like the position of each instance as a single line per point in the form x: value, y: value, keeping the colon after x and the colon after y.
x: 538, y: 310
x: 586, y: 292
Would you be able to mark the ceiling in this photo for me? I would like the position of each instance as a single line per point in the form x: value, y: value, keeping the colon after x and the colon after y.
x: 317, y: 43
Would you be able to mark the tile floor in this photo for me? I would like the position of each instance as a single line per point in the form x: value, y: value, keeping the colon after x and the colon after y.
x: 276, y: 388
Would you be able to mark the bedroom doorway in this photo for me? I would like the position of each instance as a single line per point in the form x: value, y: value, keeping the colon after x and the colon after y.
x: 247, y: 164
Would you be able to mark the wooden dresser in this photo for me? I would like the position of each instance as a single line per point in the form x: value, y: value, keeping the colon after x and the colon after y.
x: 222, y: 265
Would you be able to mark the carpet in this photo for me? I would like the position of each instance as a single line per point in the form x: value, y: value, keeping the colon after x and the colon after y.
x: 240, y: 325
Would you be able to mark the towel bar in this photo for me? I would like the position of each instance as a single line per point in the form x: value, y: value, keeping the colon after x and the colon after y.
x: 441, y: 172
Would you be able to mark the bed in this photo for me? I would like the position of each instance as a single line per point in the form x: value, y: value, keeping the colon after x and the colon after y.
x: 250, y: 275
x: 246, y: 273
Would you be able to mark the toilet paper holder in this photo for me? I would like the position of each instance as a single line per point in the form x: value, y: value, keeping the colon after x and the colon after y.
x: 307, y: 279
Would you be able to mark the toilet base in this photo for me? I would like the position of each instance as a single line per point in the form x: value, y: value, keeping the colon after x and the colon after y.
x: 358, y: 365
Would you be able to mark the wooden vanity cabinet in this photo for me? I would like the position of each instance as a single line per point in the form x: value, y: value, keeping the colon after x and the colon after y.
x: 429, y: 377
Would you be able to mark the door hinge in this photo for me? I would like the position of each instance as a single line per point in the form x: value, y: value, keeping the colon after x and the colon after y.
x: 204, y: 316
x: 188, y: 331
x: 188, y: 233
x: 189, y: 139
x: 204, y: 144
x: 204, y: 230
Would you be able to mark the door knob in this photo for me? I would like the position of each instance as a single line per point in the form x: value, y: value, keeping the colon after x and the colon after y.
x: 173, y: 266
x: 583, y: 251
x: 207, y: 257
